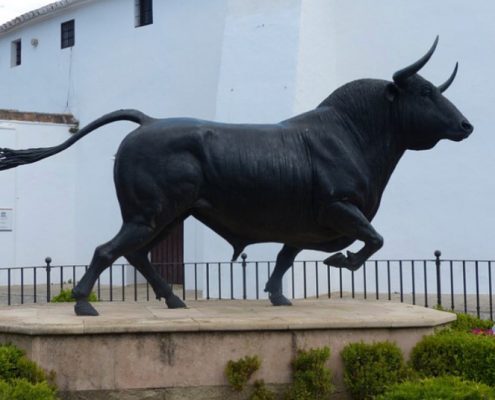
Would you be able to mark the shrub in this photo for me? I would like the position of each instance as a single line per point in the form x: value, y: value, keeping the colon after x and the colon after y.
x: 466, y: 323
x: 22, y: 389
x: 457, y: 353
x: 370, y: 368
x: 14, y: 365
x: 445, y: 388
x: 238, y: 372
x: 311, y: 379
x: 65, y: 296
x: 21, y: 378
x: 261, y: 392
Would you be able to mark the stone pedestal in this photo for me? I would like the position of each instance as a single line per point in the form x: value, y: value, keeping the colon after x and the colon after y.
x: 143, y: 351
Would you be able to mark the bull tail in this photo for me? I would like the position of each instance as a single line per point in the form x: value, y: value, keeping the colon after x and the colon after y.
x: 12, y: 158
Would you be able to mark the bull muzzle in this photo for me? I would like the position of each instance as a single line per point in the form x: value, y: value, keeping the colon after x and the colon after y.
x: 466, y: 127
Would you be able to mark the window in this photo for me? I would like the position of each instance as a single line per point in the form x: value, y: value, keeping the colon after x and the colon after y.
x: 15, y: 53
x: 144, y: 12
x: 67, y: 34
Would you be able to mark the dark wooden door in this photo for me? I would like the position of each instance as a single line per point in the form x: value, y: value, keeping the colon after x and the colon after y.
x: 168, y: 256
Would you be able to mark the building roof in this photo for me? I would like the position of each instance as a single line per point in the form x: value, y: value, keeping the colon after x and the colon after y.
x: 14, y: 115
x: 38, y: 13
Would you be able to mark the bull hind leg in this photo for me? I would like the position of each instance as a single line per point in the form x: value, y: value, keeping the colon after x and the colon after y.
x: 348, y: 220
x: 139, y: 259
x: 132, y: 236
x: 285, y: 258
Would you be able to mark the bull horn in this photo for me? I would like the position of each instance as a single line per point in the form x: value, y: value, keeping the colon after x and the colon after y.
x: 444, y: 86
x: 402, y: 75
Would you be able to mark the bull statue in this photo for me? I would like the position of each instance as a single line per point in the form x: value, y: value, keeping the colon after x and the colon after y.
x: 313, y: 181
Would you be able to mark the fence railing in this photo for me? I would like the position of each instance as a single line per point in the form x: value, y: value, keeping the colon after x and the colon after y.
x: 461, y: 285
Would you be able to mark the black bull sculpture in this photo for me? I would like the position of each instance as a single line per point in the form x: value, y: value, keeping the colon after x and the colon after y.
x: 311, y: 182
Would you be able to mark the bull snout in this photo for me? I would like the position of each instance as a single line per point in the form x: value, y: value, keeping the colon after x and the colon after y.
x: 466, y: 127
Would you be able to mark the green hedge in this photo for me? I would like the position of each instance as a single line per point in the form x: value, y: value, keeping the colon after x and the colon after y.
x: 21, y: 378
x: 457, y: 353
x: 466, y: 323
x: 15, y: 365
x: 22, y: 389
x: 370, y: 368
x: 445, y: 388
x: 238, y: 372
x: 312, y: 380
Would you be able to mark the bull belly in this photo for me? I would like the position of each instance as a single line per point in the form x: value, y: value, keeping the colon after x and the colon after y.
x: 244, y: 229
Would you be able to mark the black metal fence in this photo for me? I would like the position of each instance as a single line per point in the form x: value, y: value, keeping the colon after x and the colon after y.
x: 461, y: 285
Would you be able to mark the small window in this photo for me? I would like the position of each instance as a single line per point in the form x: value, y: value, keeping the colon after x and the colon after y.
x: 15, y: 53
x: 144, y: 12
x: 67, y: 34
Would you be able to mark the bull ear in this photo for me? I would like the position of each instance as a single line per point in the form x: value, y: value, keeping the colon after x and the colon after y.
x: 391, y: 91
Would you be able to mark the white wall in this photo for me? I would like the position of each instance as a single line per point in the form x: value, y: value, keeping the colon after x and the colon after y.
x: 263, y: 61
x: 169, y: 68
x: 8, y: 137
x: 32, y: 191
x: 436, y: 199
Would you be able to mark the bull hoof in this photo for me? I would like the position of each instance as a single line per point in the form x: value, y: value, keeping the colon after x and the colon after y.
x: 278, y: 299
x: 174, y: 302
x: 339, y: 260
x: 84, y: 308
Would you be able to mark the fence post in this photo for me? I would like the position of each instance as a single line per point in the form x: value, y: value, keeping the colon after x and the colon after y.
x: 244, y: 264
x: 48, y: 261
x: 438, y: 253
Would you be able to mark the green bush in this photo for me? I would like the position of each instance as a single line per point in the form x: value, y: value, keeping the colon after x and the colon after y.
x: 14, y: 365
x: 457, y: 353
x: 467, y: 322
x: 445, y: 388
x: 311, y: 379
x: 370, y: 368
x: 21, y: 378
x: 261, y: 392
x: 22, y: 389
x: 65, y: 296
x: 238, y: 372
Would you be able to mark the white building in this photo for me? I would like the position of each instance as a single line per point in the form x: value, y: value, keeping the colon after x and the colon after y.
x: 236, y: 61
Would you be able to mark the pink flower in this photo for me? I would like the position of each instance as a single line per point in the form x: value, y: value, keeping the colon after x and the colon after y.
x: 485, y: 332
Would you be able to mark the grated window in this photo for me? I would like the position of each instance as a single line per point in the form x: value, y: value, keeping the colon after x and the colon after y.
x: 144, y: 12
x: 16, y: 52
x: 67, y: 34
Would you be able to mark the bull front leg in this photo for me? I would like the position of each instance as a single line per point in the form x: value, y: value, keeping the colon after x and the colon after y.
x: 349, y: 221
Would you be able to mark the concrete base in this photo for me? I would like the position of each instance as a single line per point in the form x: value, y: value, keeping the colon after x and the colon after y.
x: 149, y: 352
